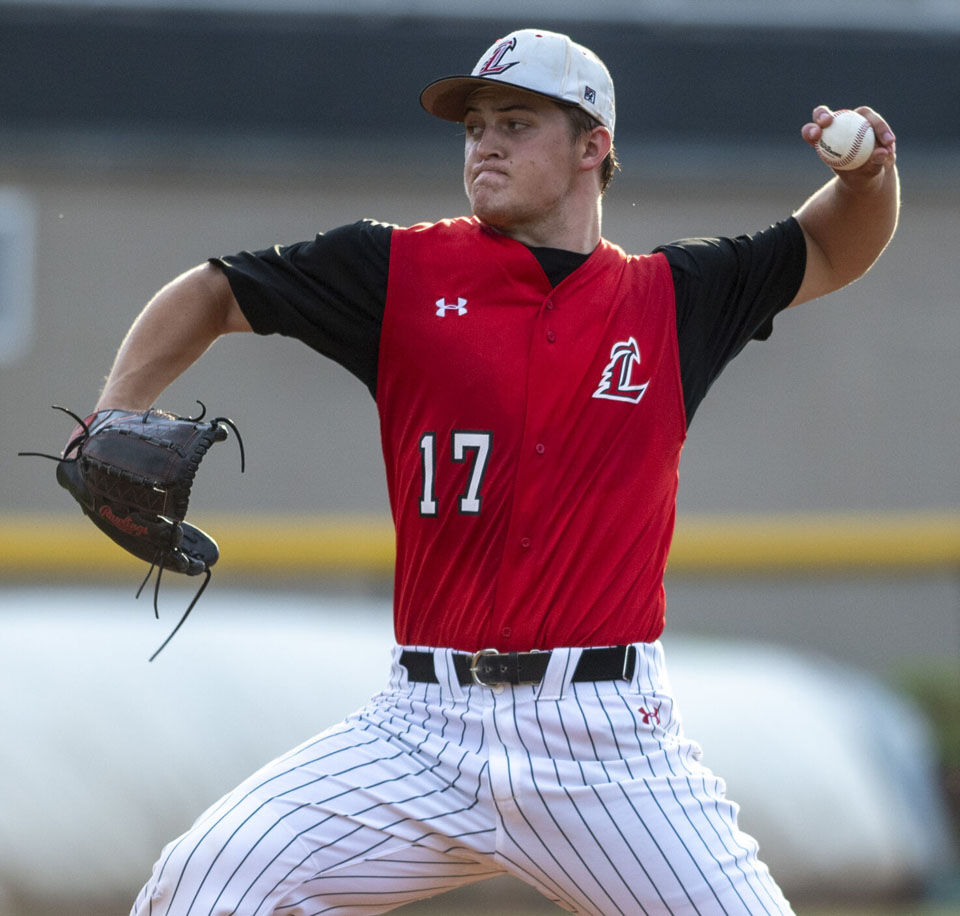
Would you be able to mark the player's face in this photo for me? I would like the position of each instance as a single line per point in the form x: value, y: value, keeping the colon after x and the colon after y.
x: 520, y: 161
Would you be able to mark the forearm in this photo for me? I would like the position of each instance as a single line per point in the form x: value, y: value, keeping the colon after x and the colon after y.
x: 176, y: 327
x: 851, y: 223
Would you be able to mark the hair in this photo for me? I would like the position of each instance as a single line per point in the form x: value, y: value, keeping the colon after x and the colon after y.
x: 581, y: 123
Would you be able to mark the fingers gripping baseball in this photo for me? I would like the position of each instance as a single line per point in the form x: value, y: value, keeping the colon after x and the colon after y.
x: 855, y: 143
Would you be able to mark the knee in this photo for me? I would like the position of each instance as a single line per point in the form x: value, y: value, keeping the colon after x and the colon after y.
x: 175, y: 882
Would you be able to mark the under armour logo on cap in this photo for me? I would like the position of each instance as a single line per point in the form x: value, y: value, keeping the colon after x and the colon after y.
x: 547, y: 63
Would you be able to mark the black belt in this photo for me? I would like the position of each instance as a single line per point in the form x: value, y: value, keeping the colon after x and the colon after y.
x: 488, y: 668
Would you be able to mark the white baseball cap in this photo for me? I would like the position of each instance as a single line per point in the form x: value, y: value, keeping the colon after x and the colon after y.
x: 547, y: 63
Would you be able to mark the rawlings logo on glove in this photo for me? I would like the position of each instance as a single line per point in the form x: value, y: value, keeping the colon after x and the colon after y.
x: 126, y: 525
x: 132, y: 474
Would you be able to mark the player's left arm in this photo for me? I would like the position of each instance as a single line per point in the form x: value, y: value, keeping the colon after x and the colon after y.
x: 851, y: 219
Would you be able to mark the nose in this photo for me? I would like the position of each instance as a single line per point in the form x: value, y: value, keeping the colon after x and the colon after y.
x: 487, y: 145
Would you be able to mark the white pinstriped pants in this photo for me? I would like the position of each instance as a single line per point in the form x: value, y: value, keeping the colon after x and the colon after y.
x: 587, y: 791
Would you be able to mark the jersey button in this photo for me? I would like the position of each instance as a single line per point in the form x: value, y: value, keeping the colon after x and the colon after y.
x: 548, y: 305
x: 551, y: 335
x: 525, y: 543
x: 539, y: 448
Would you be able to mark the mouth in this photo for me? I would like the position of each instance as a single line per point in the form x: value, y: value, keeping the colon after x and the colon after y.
x: 486, y: 172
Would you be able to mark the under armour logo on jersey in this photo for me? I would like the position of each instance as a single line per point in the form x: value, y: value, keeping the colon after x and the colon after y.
x: 494, y: 63
x: 616, y: 383
x: 442, y: 308
x: 652, y: 716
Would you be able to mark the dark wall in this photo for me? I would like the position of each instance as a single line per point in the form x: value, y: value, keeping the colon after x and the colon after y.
x: 300, y: 76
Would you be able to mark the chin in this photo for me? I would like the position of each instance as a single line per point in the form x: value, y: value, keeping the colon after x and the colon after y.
x: 499, y: 217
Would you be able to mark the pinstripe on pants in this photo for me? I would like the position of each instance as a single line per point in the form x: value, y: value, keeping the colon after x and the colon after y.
x: 433, y: 786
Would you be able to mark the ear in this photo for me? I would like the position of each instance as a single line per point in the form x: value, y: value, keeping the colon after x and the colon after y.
x: 597, y: 144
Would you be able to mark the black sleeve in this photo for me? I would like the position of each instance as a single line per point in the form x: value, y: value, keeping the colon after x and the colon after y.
x: 329, y: 292
x: 728, y: 291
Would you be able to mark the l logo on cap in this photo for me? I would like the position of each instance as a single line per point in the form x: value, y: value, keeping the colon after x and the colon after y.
x: 495, y: 62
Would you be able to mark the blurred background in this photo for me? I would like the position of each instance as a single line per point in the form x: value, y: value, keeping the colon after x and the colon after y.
x: 814, y: 586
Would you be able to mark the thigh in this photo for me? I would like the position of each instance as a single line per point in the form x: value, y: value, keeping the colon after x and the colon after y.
x: 346, y: 820
x: 641, y: 844
x: 606, y: 807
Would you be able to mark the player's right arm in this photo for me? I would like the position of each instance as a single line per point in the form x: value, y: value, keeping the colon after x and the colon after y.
x: 175, y: 328
x: 328, y: 292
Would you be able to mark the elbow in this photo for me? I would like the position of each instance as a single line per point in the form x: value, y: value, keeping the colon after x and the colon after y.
x: 837, y: 261
x: 225, y: 312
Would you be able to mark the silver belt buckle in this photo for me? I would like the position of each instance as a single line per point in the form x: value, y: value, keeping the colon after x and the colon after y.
x: 474, y: 662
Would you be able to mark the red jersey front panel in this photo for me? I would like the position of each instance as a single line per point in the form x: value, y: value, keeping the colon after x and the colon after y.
x: 532, y: 437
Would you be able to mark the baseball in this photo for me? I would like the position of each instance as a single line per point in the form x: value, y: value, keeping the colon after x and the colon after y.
x: 848, y: 142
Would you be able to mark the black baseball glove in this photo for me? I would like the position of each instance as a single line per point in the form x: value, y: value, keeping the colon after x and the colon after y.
x: 132, y: 474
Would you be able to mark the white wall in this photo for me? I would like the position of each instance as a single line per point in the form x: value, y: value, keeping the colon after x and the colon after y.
x: 853, y: 404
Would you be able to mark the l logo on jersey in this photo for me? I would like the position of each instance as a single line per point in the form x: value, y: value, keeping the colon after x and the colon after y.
x: 616, y: 383
x: 442, y: 308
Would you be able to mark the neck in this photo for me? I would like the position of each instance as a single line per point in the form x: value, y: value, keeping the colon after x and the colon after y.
x: 572, y: 229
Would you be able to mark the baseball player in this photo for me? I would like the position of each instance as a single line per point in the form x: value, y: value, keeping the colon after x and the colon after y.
x: 534, y: 384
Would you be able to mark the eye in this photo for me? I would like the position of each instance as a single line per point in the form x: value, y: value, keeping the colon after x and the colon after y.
x: 473, y: 130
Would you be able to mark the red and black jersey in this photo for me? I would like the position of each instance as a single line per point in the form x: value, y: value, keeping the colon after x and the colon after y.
x: 532, y: 413
x: 531, y: 435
